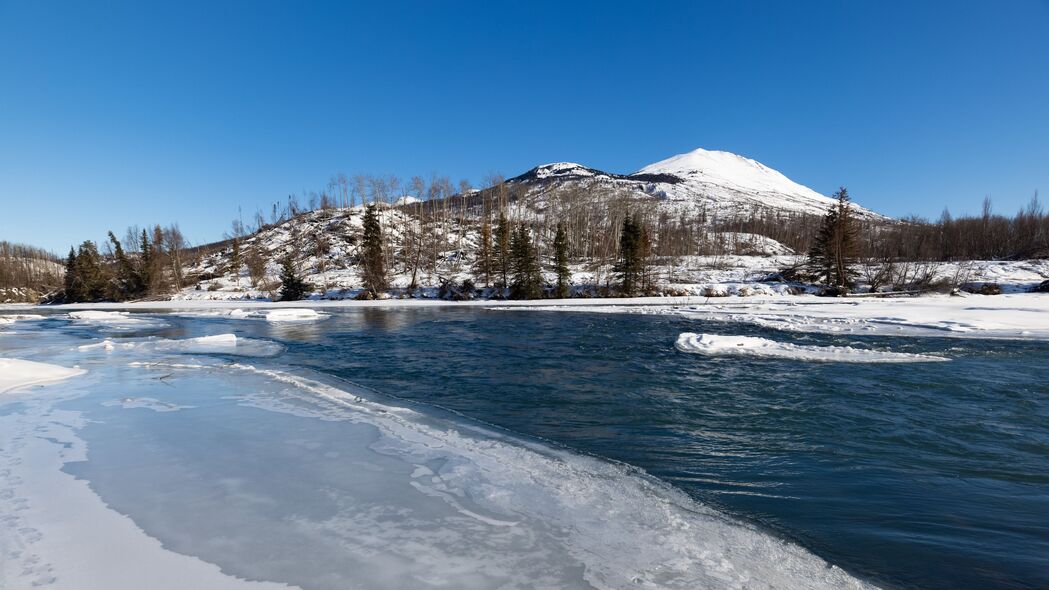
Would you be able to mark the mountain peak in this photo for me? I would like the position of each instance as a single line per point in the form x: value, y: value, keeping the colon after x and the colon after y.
x: 714, y: 171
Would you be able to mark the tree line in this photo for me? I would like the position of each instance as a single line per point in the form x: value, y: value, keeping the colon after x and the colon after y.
x: 147, y: 263
x: 509, y: 236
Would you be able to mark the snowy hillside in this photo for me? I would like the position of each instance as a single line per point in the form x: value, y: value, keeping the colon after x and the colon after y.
x: 720, y: 184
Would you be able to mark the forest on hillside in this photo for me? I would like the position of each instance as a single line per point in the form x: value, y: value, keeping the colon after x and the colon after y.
x: 430, y: 230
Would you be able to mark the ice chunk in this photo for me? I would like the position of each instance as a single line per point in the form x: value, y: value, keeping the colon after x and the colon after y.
x: 115, y: 320
x: 217, y: 344
x: 18, y: 374
x: 716, y: 344
x: 18, y: 317
x: 292, y: 315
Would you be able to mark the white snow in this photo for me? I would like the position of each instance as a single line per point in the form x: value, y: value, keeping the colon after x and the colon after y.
x: 1002, y: 316
x: 19, y: 374
x: 292, y: 315
x: 721, y: 345
x: 728, y: 170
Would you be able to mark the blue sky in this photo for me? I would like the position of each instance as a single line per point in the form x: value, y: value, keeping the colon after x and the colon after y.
x: 119, y: 113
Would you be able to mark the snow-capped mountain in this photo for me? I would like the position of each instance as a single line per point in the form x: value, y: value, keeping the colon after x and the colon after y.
x: 719, y: 183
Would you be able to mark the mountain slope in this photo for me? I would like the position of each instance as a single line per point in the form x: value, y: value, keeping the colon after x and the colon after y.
x: 716, y: 183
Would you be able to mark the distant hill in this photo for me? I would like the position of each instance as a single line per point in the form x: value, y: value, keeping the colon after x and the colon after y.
x: 27, y: 273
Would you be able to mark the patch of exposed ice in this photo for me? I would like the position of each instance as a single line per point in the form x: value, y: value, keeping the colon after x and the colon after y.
x: 148, y: 403
x: 291, y: 314
x: 19, y: 374
x: 623, y: 528
x: 8, y: 319
x: 115, y: 321
x: 217, y: 344
x: 57, y: 533
x: 720, y: 345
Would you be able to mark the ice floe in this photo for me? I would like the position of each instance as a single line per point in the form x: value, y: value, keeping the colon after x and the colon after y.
x: 722, y: 345
x: 115, y: 321
x: 18, y: 374
x: 216, y: 344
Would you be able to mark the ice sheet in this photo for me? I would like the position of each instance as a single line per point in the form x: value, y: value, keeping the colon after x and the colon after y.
x: 216, y: 344
x: 115, y: 321
x: 19, y: 374
x: 721, y: 345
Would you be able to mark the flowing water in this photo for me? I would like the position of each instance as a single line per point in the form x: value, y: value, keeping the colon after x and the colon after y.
x: 531, y: 449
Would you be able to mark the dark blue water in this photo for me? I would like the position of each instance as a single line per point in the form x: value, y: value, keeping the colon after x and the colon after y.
x: 931, y: 475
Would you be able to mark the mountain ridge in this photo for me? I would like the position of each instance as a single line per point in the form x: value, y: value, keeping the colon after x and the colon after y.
x: 713, y: 181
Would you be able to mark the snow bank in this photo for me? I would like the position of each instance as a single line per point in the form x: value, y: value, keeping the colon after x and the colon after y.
x: 18, y: 374
x: 719, y: 345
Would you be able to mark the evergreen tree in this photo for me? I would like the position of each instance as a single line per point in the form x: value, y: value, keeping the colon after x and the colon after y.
x: 561, y: 262
x: 146, y: 262
x: 373, y: 261
x: 73, y: 283
x: 484, y: 264
x: 527, y: 277
x: 503, y: 250
x: 836, y: 244
x: 91, y: 273
x: 128, y: 282
x: 292, y: 287
x: 644, y: 257
x: 234, y: 259
x: 629, y: 266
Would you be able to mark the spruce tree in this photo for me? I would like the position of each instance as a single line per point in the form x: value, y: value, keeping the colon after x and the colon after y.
x: 484, y: 264
x: 73, y: 292
x: 128, y: 282
x: 92, y: 275
x: 835, y: 245
x: 561, y: 262
x: 292, y: 287
x: 527, y: 277
x: 373, y: 261
x: 503, y: 250
x: 234, y: 259
x: 629, y: 265
x: 145, y: 266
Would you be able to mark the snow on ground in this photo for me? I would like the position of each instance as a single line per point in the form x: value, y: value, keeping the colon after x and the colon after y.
x: 19, y: 374
x: 1002, y: 316
x: 720, y: 345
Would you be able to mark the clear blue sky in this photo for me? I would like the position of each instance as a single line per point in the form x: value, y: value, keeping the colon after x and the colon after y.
x: 119, y: 113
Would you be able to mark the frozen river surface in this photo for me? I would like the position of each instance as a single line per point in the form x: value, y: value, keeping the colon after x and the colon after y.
x: 484, y: 449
